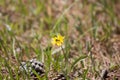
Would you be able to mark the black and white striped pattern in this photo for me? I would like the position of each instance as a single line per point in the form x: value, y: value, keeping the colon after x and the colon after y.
x: 31, y: 66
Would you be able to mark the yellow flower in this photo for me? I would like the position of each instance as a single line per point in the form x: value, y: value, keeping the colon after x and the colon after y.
x: 58, y: 40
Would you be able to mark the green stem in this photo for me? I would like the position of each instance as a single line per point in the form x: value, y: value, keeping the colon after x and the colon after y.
x: 66, y: 61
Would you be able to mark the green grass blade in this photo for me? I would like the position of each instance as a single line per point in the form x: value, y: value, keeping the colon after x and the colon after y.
x: 79, y: 59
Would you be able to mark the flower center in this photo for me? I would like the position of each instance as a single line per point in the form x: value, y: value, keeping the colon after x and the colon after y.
x: 57, y: 40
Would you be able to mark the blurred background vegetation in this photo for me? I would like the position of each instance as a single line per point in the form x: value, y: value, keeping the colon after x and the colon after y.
x: 91, y: 27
